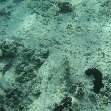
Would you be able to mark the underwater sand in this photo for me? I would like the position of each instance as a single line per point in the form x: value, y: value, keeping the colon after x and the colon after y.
x: 45, y: 48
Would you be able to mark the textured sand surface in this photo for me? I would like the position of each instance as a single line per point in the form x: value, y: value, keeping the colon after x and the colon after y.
x: 45, y: 48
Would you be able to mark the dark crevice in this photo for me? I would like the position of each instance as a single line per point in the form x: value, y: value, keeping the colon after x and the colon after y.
x: 98, y: 78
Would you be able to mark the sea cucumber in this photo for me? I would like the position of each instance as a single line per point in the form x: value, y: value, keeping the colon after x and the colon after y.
x: 98, y: 78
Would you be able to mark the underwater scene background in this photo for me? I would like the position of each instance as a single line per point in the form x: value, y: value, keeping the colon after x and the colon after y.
x: 55, y: 55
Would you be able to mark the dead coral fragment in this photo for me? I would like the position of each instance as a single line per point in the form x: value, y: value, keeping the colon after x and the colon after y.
x: 77, y: 89
x: 25, y: 72
x: 65, y: 7
x: 65, y: 104
x: 30, y: 60
x: 8, y: 48
x: 4, y: 12
x: 13, y: 97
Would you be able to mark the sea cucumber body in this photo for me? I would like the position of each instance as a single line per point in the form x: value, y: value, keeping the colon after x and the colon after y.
x: 98, y: 78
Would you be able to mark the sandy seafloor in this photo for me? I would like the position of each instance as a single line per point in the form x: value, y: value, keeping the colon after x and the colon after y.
x: 44, y: 53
